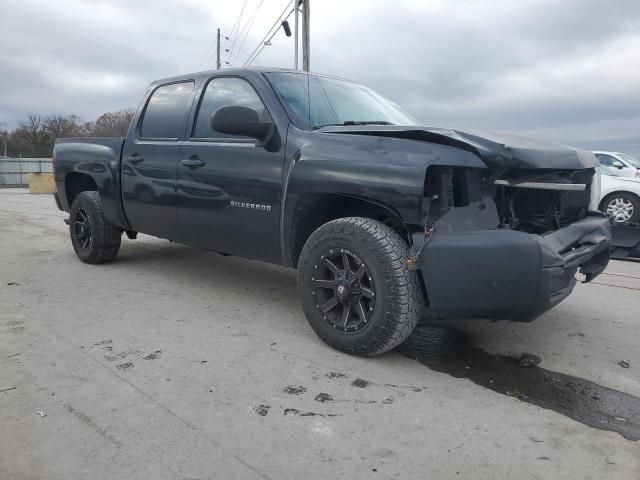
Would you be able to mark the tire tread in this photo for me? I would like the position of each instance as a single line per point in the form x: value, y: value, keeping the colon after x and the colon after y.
x: 405, y: 295
x: 106, y: 236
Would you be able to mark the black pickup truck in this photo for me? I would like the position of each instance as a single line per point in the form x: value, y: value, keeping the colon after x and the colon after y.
x: 379, y: 216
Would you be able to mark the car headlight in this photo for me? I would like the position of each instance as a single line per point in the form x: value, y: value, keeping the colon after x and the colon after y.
x: 595, y: 190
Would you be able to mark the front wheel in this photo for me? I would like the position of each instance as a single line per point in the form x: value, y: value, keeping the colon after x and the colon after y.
x: 623, y: 207
x: 95, y: 239
x: 356, y: 289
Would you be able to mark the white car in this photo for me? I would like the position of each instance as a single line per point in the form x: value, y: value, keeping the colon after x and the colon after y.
x: 619, y: 195
x: 626, y: 165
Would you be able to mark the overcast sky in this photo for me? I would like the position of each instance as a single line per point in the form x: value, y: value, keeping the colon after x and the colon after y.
x: 560, y: 70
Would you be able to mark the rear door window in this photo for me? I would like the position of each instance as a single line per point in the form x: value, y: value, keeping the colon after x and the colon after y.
x: 166, y: 111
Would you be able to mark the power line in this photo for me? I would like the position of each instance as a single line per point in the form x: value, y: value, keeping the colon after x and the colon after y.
x: 247, y: 28
x: 253, y: 19
x: 265, y: 42
x: 236, y: 29
x: 237, y: 22
x: 237, y: 55
x: 208, y: 56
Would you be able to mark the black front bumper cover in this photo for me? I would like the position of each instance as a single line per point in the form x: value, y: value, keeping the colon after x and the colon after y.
x: 506, y: 274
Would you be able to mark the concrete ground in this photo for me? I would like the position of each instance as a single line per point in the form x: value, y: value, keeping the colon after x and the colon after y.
x: 175, y: 363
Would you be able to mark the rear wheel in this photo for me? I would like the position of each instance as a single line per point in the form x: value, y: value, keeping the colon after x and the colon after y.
x: 94, y: 238
x: 356, y: 289
x: 622, y: 207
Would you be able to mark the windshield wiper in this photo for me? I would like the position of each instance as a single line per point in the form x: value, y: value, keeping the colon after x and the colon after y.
x: 353, y: 122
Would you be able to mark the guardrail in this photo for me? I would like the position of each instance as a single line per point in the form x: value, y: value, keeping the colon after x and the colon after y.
x: 14, y: 171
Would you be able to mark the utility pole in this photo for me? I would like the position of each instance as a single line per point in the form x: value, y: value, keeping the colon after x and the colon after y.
x: 305, y: 36
x: 5, y: 137
x: 218, y: 51
x: 296, y: 5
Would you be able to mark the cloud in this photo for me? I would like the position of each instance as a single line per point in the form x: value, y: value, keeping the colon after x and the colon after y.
x: 562, y: 70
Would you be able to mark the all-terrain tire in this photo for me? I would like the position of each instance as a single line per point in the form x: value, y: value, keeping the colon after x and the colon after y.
x: 398, y: 301
x: 87, y: 221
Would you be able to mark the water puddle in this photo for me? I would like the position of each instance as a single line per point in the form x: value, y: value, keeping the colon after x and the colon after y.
x: 449, y: 351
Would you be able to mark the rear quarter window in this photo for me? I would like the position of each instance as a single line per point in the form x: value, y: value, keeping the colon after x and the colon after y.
x: 166, y: 112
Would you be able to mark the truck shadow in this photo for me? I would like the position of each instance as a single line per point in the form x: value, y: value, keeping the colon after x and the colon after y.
x: 206, y: 269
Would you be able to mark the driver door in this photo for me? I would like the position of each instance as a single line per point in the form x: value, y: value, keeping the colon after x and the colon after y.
x: 229, y: 189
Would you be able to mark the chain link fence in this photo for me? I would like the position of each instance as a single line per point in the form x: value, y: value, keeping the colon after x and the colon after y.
x: 14, y: 172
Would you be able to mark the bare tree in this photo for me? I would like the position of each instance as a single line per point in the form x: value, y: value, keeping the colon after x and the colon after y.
x: 31, y: 138
x: 60, y: 126
x: 32, y: 130
x: 36, y: 135
x: 112, y: 124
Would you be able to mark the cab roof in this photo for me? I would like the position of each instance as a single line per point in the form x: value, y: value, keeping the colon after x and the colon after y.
x: 239, y: 71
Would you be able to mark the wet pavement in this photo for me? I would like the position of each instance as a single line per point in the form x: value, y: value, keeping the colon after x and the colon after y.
x: 450, y: 351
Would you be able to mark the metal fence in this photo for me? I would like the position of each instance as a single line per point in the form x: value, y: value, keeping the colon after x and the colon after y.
x: 14, y: 171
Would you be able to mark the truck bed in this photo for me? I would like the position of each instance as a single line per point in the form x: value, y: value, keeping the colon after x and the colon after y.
x: 98, y: 157
x: 114, y: 143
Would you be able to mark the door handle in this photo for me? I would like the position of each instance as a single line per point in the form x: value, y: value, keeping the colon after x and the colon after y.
x: 192, y: 162
x: 134, y: 159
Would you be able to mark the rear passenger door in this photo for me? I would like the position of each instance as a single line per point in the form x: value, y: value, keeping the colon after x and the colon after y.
x: 149, y: 160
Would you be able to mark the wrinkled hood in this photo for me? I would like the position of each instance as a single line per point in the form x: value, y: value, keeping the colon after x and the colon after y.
x: 503, y: 150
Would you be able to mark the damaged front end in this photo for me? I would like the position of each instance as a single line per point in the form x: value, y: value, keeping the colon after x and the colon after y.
x: 506, y: 242
x: 503, y: 239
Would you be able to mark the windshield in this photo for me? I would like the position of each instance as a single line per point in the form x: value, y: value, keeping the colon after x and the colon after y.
x: 316, y: 101
x: 634, y: 162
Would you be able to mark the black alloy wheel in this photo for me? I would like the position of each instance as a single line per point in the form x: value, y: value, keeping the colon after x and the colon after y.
x: 344, y: 290
x: 94, y: 238
x: 357, y: 291
x: 82, y: 229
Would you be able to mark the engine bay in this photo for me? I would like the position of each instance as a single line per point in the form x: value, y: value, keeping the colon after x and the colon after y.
x: 534, y: 201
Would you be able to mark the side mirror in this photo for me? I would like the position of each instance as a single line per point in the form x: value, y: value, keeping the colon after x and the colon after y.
x: 618, y: 164
x: 243, y: 121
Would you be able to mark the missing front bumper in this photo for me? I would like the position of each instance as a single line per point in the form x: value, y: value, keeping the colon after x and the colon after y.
x: 505, y: 274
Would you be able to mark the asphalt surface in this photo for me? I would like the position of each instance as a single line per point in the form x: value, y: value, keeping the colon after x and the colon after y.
x: 175, y: 363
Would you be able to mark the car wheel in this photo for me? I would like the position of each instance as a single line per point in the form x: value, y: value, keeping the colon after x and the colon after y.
x: 356, y: 289
x: 94, y: 238
x: 623, y: 207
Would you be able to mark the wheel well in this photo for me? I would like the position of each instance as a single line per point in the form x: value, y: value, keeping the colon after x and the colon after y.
x: 314, y: 210
x: 75, y: 183
x: 608, y: 197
